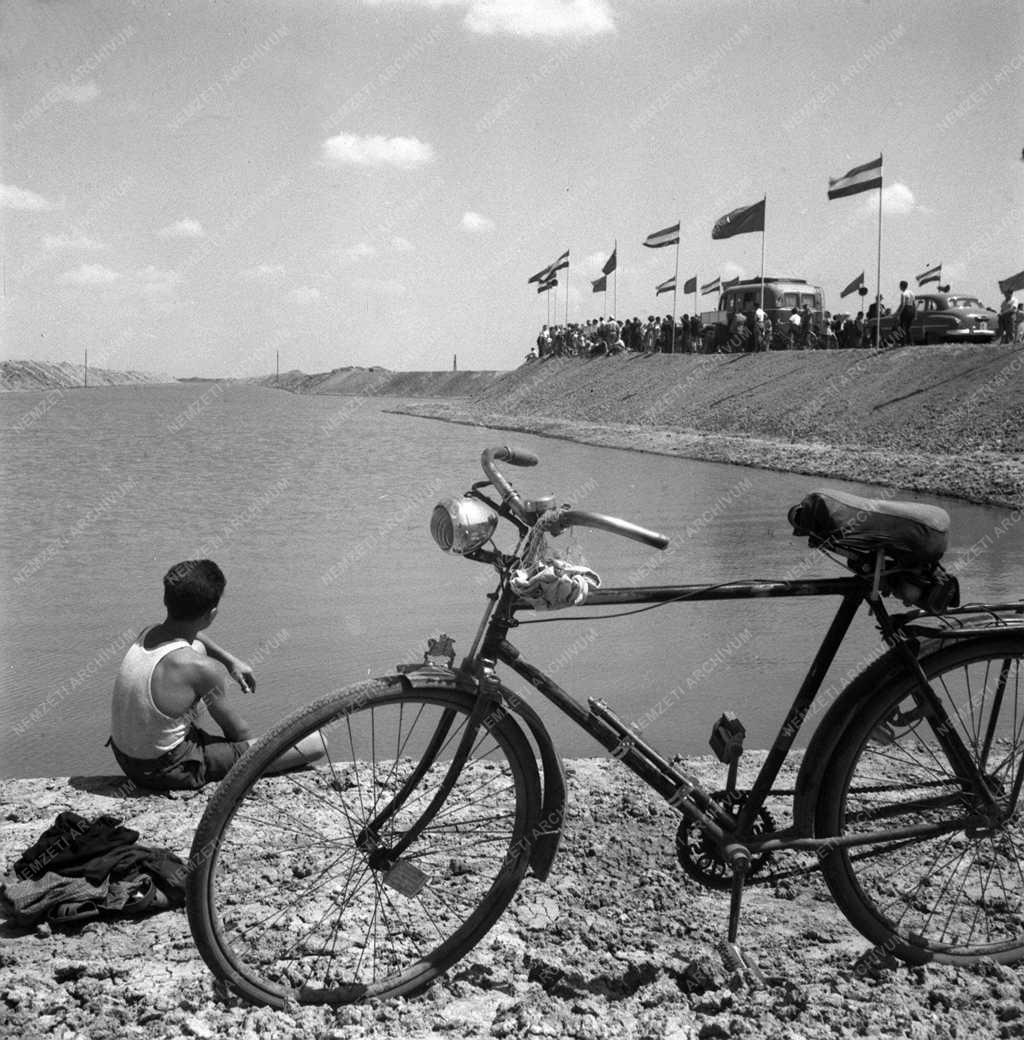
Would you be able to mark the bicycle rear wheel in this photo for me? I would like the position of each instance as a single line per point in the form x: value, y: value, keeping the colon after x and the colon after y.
x: 294, y: 893
x: 957, y: 894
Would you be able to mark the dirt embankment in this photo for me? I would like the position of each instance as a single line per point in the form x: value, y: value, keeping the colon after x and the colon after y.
x: 62, y: 375
x: 379, y: 382
x: 946, y: 420
x: 617, y: 943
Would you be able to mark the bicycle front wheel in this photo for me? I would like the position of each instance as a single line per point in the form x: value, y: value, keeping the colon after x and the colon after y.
x: 954, y: 894
x: 298, y: 890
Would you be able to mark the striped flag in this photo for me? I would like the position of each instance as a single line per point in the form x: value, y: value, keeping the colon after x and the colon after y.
x: 740, y: 221
x: 545, y: 275
x: 601, y: 284
x: 538, y: 277
x: 933, y: 274
x: 860, y: 178
x: 610, y: 263
x: 549, y: 284
x: 853, y: 286
x: 710, y: 287
x: 690, y: 285
x: 666, y: 286
x: 665, y: 237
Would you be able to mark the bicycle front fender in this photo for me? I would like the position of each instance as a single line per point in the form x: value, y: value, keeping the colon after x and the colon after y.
x: 546, y: 831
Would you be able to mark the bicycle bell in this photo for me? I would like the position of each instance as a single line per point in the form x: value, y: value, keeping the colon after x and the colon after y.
x: 461, y: 525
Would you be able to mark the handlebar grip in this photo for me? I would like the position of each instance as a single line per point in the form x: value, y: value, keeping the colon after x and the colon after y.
x: 513, y: 456
x: 612, y: 524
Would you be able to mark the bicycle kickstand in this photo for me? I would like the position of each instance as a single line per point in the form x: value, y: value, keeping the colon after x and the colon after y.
x: 742, y: 964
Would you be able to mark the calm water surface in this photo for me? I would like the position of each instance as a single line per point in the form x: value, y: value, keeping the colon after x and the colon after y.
x: 317, y: 507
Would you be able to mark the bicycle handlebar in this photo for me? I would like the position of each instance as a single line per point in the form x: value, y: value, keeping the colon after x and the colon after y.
x: 612, y: 524
x: 563, y: 518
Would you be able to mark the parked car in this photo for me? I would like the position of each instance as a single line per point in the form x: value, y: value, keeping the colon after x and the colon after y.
x: 946, y: 318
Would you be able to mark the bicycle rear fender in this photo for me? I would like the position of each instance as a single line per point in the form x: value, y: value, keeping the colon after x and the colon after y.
x: 546, y: 831
x: 890, y: 667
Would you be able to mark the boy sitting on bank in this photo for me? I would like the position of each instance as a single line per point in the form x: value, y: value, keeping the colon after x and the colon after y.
x: 167, y: 676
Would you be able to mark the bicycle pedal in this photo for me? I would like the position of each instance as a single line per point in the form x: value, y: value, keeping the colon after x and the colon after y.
x: 727, y: 738
x: 743, y: 967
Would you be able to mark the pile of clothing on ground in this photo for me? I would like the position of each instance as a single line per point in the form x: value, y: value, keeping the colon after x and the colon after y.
x: 80, y: 870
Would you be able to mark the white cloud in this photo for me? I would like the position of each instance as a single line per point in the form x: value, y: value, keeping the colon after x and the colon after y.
x: 305, y: 294
x: 897, y: 199
x: 727, y: 271
x: 185, y: 228
x: 405, y: 153
x: 590, y: 266
x: 23, y: 199
x: 263, y: 272
x: 550, y: 18
x: 402, y: 245
x: 78, y: 93
x: 58, y: 242
x: 89, y: 274
x: 475, y: 223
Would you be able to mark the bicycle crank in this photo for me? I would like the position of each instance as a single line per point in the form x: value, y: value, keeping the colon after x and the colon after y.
x: 702, y: 859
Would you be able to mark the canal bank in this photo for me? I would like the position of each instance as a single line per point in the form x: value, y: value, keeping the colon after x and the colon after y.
x: 941, y: 420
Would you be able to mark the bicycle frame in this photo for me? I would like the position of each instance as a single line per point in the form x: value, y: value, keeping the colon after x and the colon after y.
x: 732, y: 833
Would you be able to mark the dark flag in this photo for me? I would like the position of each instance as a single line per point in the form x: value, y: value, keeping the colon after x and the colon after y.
x: 600, y: 285
x: 740, y: 221
x: 610, y: 263
x: 1012, y: 284
x: 667, y: 286
x: 665, y: 237
x: 690, y: 285
x: 549, y: 284
x: 853, y: 286
x: 860, y: 178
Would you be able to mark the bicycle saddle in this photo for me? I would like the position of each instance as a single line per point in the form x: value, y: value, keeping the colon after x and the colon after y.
x: 911, y: 533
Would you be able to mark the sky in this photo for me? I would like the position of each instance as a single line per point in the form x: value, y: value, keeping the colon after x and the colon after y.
x: 203, y: 188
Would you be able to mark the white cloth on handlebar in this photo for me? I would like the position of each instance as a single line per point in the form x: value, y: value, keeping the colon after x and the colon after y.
x: 551, y: 584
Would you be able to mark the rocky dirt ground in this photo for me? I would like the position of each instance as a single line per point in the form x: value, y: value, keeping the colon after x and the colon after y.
x: 943, y: 420
x: 618, y: 943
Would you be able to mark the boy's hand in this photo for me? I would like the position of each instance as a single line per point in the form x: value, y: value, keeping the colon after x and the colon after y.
x: 243, y: 675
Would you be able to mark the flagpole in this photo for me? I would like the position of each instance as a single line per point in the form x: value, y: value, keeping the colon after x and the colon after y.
x: 675, y: 285
x: 615, y: 284
x: 567, y: 293
x: 763, y: 226
x: 878, y: 276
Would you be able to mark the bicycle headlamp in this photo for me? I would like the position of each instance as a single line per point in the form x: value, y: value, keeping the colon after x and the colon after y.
x: 460, y: 525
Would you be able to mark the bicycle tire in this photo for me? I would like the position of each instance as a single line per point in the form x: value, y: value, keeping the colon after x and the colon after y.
x: 283, y: 903
x: 953, y: 897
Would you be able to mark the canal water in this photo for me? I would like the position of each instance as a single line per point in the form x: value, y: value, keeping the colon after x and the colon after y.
x: 317, y: 510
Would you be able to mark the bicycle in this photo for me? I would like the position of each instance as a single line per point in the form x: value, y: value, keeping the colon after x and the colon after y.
x: 372, y: 874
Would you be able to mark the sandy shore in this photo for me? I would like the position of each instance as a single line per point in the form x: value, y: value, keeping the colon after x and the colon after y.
x: 933, y: 420
x: 618, y: 943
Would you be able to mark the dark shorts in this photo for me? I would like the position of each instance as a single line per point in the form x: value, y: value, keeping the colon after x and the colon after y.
x: 199, y: 759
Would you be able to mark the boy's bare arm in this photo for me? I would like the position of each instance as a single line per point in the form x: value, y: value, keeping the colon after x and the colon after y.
x: 211, y: 685
x: 237, y: 668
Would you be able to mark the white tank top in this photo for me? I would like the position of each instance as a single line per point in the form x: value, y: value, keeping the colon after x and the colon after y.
x: 137, y: 726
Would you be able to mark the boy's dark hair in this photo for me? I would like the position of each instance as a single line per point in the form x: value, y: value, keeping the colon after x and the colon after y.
x: 193, y: 587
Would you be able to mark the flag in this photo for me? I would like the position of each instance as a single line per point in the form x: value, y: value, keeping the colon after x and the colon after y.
x: 690, y: 285
x: 740, y: 221
x: 665, y: 237
x: 732, y: 281
x: 562, y: 261
x: 549, y: 284
x: 933, y: 274
x: 945, y: 288
x: 1012, y: 284
x: 860, y: 178
x: 601, y: 284
x: 853, y: 286
x: 540, y: 276
x: 710, y: 287
x: 667, y: 286
x: 610, y: 263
